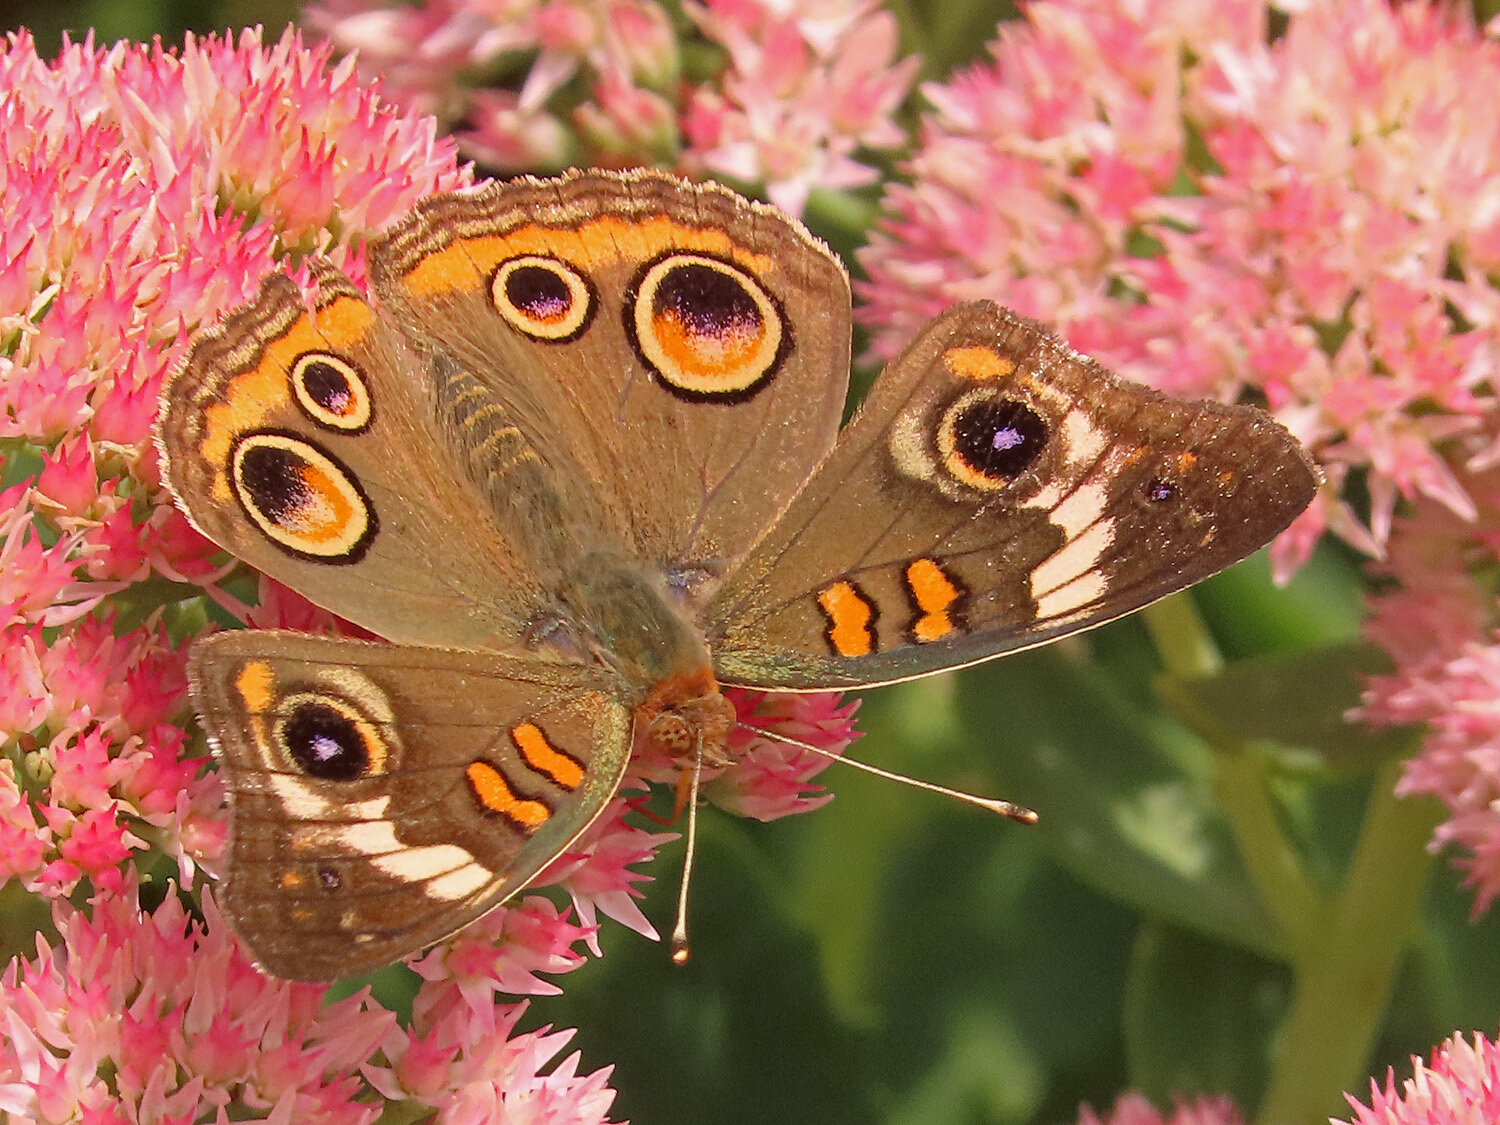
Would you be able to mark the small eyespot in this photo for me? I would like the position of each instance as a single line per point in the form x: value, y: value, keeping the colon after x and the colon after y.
x: 1159, y: 491
x: 328, y: 738
x: 302, y: 497
x: 332, y: 392
x: 986, y: 440
x: 543, y: 298
x: 706, y: 328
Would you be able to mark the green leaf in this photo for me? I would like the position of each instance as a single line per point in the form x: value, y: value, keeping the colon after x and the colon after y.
x: 1297, y: 700
x: 1117, y: 806
x: 1199, y: 1015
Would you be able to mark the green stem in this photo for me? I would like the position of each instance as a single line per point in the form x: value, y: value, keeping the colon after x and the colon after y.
x: 1342, y: 987
x: 1243, y: 792
x: 1344, y: 953
x: 1184, y: 642
x: 1241, y: 785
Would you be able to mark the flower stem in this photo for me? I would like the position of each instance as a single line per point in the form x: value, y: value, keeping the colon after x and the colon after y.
x: 1343, y: 985
x: 1343, y: 950
x: 1241, y: 781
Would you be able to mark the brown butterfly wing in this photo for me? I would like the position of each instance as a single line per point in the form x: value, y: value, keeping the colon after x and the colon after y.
x: 686, y: 348
x: 304, y: 439
x: 384, y: 796
x: 998, y: 490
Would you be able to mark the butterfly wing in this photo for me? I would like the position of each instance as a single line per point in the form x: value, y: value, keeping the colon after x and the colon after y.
x: 383, y: 796
x: 303, y: 437
x: 686, y: 348
x: 998, y: 490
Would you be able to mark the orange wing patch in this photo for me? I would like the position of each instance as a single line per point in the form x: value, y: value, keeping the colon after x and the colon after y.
x: 537, y: 751
x: 495, y: 795
x: 851, y: 619
x: 937, y: 598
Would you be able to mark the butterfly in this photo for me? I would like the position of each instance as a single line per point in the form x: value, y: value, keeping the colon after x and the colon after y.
x: 579, y: 462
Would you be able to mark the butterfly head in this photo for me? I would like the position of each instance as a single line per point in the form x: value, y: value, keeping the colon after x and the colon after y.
x: 686, y: 718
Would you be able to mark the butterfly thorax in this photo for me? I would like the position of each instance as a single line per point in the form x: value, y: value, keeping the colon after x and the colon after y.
x: 624, y: 616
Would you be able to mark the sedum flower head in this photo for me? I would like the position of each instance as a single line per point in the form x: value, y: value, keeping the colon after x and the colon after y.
x: 1309, y: 219
x: 1132, y: 1109
x: 792, y: 99
x: 1460, y: 1086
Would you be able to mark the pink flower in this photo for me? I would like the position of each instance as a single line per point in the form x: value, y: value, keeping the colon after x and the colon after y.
x: 795, y: 97
x: 771, y: 779
x: 1315, y: 251
x: 469, y: 1064
x: 801, y: 93
x: 437, y: 56
x: 1132, y: 1109
x: 1461, y: 1086
x: 141, y: 1015
x: 1440, y: 629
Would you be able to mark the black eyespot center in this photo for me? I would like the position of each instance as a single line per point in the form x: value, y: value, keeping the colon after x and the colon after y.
x: 328, y: 386
x: 326, y: 742
x: 538, y: 292
x: 274, y: 475
x: 999, y: 438
x: 705, y: 301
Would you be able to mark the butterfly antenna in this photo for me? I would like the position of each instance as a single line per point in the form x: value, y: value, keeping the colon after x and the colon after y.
x: 681, y: 950
x: 1006, y: 809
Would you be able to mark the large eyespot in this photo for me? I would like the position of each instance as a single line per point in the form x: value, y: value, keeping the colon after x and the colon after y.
x: 986, y: 440
x: 329, y: 738
x: 332, y: 391
x: 303, y: 498
x: 543, y: 297
x: 706, y: 328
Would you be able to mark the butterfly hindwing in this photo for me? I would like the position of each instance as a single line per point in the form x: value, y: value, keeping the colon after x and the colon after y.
x: 383, y: 796
x: 995, y: 491
x: 688, y: 349
x: 302, y: 436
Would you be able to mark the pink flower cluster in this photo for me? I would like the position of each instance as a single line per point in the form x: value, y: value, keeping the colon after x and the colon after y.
x: 1311, y: 220
x: 797, y: 92
x: 146, y: 191
x: 126, y: 177
x: 806, y: 87
x: 1439, y: 626
x: 1460, y: 1086
x: 1132, y: 1109
x: 157, y: 1017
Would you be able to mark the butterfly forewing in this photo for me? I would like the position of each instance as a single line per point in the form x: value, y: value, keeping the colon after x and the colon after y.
x: 302, y: 436
x: 687, y: 348
x: 997, y: 490
x: 383, y: 796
